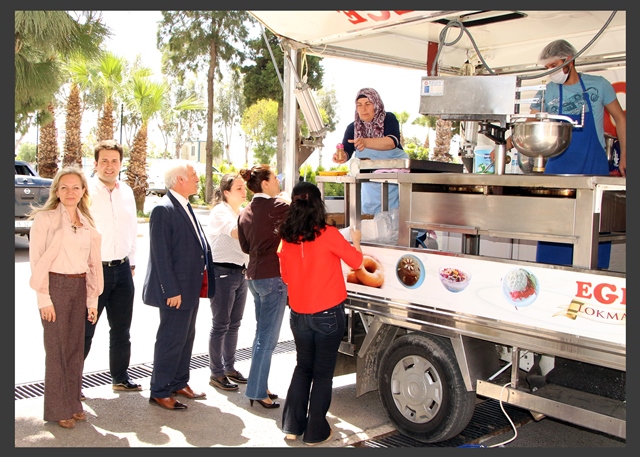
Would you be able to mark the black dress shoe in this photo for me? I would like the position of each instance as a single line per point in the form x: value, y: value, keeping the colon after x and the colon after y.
x: 223, y: 383
x: 168, y: 403
x: 236, y: 376
x: 264, y: 404
x: 126, y: 386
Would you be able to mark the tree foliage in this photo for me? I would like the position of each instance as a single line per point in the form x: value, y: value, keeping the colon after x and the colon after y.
x: 182, y: 115
x: 263, y: 79
x: 260, y: 123
x: 426, y: 121
x: 196, y: 42
x: 230, y: 106
x: 148, y: 99
x: 44, y: 41
x: 402, y: 117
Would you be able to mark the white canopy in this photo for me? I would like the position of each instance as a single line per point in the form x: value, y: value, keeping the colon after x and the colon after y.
x: 505, y: 39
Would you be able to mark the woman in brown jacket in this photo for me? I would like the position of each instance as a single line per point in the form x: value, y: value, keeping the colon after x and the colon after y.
x: 258, y: 237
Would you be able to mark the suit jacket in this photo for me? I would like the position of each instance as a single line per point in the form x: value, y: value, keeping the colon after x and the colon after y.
x: 176, y: 258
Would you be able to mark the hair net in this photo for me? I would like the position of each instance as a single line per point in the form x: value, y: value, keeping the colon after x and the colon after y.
x: 559, y: 49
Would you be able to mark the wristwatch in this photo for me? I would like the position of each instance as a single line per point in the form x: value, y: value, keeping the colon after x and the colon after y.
x: 133, y: 267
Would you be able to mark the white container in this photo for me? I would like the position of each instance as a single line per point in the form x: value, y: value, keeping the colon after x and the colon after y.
x: 515, y: 166
x: 482, y: 162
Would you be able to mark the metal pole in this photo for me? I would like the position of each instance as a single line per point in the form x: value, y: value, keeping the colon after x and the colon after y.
x: 37, y: 139
x: 121, y: 120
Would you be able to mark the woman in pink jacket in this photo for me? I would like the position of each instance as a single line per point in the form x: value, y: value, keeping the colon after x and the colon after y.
x: 66, y: 273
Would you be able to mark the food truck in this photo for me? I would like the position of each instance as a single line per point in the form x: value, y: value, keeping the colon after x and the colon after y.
x: 433, y: 328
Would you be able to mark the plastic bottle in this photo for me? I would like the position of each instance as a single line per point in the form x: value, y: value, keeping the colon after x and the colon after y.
x: 340, y: 154
x: 515, y: 165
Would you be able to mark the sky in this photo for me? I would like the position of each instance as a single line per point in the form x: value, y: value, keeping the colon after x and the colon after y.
x: 134, y: 33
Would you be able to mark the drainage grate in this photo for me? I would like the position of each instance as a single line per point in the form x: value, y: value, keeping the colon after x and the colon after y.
x: 487, y: 420
x: 103, y: 378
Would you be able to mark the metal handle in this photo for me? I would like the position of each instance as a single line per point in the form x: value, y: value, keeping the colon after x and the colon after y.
x: 547, y: 116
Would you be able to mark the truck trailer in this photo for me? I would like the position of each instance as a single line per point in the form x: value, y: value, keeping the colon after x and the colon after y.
x: 475, y: 316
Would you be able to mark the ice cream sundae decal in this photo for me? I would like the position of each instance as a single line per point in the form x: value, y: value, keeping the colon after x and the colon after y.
x: 520, y: 287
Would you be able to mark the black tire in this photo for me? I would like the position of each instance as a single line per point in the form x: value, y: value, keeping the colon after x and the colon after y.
x: 422, y: 390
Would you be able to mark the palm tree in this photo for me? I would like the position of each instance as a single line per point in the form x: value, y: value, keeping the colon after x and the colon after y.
x: 443, y: 141
x: 182, y: 116
x: 426, y: 121
x: 148, y: 99
x: 109, y: 74
x: 80, y: 78
x: 402, y: 117
x: 43, y: 41
x: 47, y: 153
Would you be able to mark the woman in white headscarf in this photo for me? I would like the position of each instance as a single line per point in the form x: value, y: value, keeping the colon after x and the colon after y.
x: 375, y: 135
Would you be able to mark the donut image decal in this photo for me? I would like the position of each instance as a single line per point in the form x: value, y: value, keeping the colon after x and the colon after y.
x: 410, y: 271
x: 520, y: 287
x: 371, y: 274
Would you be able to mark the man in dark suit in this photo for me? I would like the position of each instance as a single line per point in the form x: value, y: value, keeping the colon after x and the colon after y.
x: 177, y: 277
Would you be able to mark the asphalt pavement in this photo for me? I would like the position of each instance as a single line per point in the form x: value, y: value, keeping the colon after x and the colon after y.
x: 223, y: 419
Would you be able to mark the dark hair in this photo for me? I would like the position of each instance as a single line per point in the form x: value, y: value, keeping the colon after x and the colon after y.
x: 307, y: 214
x: 255, y: 176
x: 109, y: 145
x: 225, y: 184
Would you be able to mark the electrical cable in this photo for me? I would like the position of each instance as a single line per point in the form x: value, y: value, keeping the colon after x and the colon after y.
x: 515, y: 431
x: 463, y: 29
x: 553, y: 70
x: 442, y: 43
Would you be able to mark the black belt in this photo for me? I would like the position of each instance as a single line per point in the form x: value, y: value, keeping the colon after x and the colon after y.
x: 115, y: 263
x: 221, y: 269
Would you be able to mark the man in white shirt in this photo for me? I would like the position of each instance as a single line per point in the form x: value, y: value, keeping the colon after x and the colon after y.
x: 113, y: 208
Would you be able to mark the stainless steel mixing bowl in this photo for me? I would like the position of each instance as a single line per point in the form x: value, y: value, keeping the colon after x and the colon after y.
x: 545, y: 137
x: 541, y: 138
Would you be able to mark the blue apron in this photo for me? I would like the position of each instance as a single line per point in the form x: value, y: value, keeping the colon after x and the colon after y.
x: 584, y: 156
x: 370, y: 192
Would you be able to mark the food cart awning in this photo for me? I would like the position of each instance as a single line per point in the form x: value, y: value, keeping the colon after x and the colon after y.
x: 505, y: 39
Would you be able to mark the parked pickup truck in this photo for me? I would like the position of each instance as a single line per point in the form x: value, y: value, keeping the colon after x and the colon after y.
x: 31, y: 189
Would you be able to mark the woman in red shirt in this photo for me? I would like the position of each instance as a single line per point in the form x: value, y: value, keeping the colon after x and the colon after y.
x: 310, y: 254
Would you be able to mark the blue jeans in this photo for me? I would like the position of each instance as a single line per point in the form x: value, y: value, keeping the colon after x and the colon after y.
x: 317, y: 338
x: 270, y: 299
x: 117, y: 298
x: 227, y: 309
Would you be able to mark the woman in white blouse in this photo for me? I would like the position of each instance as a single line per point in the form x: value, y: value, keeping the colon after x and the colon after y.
x: 229, y: 266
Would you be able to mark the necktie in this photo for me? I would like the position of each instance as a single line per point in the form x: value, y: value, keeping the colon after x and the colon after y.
x: 203, y: 241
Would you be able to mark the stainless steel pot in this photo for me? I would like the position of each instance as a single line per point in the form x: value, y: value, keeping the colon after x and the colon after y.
x: 545, y: 137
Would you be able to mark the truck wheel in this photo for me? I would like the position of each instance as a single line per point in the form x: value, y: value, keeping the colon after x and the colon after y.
x: 422, y: 390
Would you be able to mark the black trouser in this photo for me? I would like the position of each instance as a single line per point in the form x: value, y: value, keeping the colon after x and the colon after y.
x: 117, y: 298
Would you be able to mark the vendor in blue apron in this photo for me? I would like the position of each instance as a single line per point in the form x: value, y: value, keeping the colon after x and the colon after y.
x: 565, y: 95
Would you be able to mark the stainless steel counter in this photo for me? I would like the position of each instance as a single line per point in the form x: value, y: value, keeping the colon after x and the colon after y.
x: 572, y: 209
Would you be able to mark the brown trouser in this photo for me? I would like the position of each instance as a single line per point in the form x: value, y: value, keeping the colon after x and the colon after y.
x: 64, y: 348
